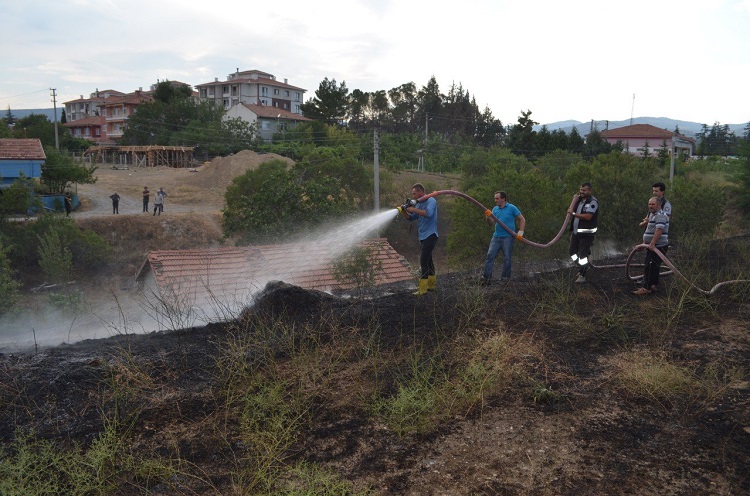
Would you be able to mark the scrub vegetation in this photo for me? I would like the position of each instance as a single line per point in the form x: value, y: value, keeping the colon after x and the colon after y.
x: 535, y: 386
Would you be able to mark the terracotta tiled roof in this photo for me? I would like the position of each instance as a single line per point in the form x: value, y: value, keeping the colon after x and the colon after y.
x: 640, y: 131
x: 250, y: 80
x: 208, y: 274
x: 269, y: 82
x: 94, y: 120
x: 270, y: 112
x: 21, y: 149
x: 137, y: 97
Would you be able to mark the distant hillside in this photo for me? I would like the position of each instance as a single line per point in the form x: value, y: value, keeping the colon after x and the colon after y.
x: 21, y: 113
x: 687, y: 128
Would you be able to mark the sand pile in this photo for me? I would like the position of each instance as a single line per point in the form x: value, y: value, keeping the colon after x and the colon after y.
x: 220, y: 171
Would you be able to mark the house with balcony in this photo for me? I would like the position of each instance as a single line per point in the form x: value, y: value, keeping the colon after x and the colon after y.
x: 639, y: 138
x: 84, y: 117
x: 117, y: 110
x: 269, y: 120
x: 253, y: 87
x: 89, y: 128
x: 83, y: 108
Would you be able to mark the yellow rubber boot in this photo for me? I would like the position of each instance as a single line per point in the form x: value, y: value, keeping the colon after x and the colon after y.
x: 431, y: 282
x: 422, y: 287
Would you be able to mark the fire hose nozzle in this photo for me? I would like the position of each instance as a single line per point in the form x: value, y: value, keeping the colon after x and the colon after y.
x: 409, y: 202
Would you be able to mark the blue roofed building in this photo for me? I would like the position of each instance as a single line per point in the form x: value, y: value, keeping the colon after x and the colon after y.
x: 20, y: 157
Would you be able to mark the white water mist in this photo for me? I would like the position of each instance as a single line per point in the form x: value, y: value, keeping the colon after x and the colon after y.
x: 137, y: 312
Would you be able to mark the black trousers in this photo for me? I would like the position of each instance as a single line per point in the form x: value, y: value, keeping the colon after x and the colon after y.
x: 426, y: 247
x: 580, y: 245
x: 652, y: 267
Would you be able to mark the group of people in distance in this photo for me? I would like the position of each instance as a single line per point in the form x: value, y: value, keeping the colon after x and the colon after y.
x: 158, y: 201
x: 584, y: 212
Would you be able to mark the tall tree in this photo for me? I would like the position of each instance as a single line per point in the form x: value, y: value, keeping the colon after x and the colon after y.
x: 330, y: 104
x: 596, y: 145
x: 60, y: 170
x: 35, y: 126
x: 166, y: 91
x: 490, y: 131
x: 404, y: 106
x: 521, y: 136
x: 430, y: 103
x: 358, y: 103
x: 10, y: 119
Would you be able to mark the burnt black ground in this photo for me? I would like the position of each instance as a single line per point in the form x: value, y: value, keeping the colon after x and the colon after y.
x: 594, y: 440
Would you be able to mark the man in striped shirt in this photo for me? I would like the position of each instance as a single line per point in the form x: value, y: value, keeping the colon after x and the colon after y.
x: 656, y: 235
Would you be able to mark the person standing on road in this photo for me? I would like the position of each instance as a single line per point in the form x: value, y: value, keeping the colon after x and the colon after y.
x: 159, y: 201
x: 146, y: 196
x: 656, y: 235
x: 502, y: 240
x: 585, y: 212
x: 68, y: 204
x: 115, y: 203
x: 426, y: 214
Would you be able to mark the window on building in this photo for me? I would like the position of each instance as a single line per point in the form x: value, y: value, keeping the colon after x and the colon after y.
x: 225, y: 89
x: 263, y: 90
x: 234, y: 90
x: 296, y: 95
x: 275, y: 91
x: 226, y: 103
x: 265, y: 125
x: 286, y: 93
x: 204, y: 93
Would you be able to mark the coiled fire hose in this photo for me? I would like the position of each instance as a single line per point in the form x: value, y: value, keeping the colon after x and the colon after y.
x: 628, y: 264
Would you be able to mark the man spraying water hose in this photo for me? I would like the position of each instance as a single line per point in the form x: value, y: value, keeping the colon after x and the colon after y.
x: 585, y: 212
x: 426, y: 214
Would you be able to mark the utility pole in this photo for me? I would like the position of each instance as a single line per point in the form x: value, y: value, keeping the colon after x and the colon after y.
x: 426, y: 132
x: 632, y: 108
x: 671, y: 167
x: 54, y: 104
x: 376, y: 167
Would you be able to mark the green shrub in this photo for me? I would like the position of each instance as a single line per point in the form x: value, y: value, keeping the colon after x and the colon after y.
x: 9, y: 287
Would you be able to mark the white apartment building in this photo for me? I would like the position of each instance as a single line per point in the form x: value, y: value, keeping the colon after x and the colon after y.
x: 255, y: 88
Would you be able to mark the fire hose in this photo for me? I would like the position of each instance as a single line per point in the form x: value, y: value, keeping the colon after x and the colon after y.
x: 627, y: 265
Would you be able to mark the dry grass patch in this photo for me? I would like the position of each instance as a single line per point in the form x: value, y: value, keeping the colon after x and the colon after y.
x: 658, y: 378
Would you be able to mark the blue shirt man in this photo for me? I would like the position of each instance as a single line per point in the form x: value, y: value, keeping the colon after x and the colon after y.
x: 426, y: 214
x: 502, y: 240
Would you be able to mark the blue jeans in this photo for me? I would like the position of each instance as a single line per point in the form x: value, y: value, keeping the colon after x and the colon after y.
x: 504, y: 244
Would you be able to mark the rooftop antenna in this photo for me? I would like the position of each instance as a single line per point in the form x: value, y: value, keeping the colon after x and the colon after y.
x: 631, y: 110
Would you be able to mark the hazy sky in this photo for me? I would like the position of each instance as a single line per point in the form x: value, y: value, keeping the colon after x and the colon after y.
x: 581, y: 60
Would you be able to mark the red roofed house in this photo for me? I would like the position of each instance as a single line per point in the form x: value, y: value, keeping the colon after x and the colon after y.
x: 117, y: 110
x: 102, y: 117
x: 20, y: 156
x: 84, y: 116
x: 211, y: 284
x: 636, y: 138
x: 269, y: 120
x: 253, y: 87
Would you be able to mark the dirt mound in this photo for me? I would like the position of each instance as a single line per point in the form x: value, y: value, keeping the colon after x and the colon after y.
x: 219, y: 172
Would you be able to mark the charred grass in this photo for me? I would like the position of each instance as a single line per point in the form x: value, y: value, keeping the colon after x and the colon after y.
x: 538, y: 386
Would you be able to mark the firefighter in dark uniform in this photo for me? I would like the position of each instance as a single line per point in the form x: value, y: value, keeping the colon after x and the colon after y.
x: 585, y: 212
